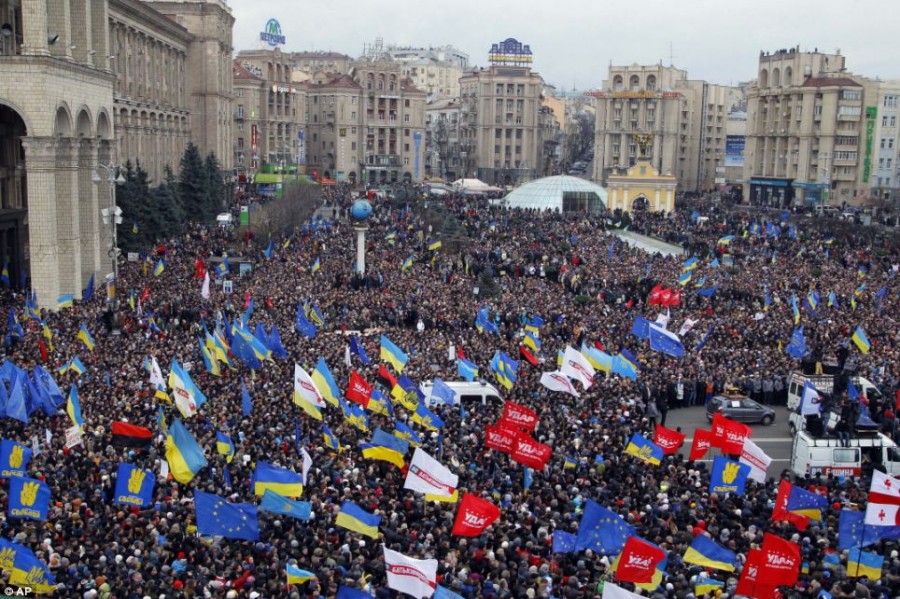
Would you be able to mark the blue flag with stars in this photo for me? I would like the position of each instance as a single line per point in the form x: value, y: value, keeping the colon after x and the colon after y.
x: 602, y: 530
x: 217, y: 517
x: 853, y: 532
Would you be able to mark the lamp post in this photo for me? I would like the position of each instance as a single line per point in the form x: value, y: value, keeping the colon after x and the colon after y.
x: 111, y: 216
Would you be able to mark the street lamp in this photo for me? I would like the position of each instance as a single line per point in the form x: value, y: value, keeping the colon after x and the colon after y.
x: 112, y: 216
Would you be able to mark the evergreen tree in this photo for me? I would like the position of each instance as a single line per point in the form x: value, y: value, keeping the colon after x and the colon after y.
x: 215, y: 187
x: 133, y: 198
x: 172, y: 183
x: 192, y: 184
x: 166, y: 210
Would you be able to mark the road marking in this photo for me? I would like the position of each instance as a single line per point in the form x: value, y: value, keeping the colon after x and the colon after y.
x: 757, y: 441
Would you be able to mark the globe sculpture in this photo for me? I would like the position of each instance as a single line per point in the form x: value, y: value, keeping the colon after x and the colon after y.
x: 361, y: 210
x: 359, y: 213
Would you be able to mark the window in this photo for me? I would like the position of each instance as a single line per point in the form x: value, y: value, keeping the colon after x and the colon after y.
x: 406, y: 147
x: 406, y: 103
x: 845, y: 155
x: 817, y: 110
x: 890, y: 101
x: 499, y: 89
x: 884, y: 121
x: 893, y: 121
x: 240, y: 111
x: 353, y: 145
x: 852, y: 95
x: 406, y: 160
x: 849, y: 110
x: 888, y: 162
x: 846, y: 455
x: 405, y: 118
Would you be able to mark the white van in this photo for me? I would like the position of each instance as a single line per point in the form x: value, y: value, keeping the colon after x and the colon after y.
x: 823, y: 383
x: 824, y: 210
x: 811, y: 456
x: 225, y: 220
x: 479, y: 391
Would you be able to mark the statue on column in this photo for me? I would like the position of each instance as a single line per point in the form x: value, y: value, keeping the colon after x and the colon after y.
x: 644, y: 141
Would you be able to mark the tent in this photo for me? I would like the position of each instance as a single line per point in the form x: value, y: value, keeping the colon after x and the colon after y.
x: 473, y: 186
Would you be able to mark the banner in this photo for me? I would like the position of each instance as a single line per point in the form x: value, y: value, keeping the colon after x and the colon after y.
x: 780, y: 562
x: 728, y: 476
x: 577, y: 367
x: 531, y: 453
x: 416, y: 577
x: 729, y: 435
x: 474, y: 516
x: 519, y: 416
x: 500, y: 438
x: 701, y: 444
x: 670, y: 441
x: 556, y: 381
x: 756, y: 458
x: 638, y: 561
x: 358, y: 390
x: 427, y: 475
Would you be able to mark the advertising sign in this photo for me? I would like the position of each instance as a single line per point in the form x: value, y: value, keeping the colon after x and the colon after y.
x: 871, y: 114
x: 734, y: 150
x: 272, y: 34
x: 510, y: 52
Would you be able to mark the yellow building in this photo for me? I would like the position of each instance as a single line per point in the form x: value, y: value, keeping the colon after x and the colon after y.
x: 641, y: 188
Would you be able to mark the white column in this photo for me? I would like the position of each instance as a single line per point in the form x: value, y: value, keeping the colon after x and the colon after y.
x: 361, y: 249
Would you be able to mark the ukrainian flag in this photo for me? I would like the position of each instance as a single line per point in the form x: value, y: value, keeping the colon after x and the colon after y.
x: 385, y: 453
x: 316, y: 265
x: 65, y: 301
x: 600, y: 360
x: 48, y: 334
x: 427, y: 418
x: 443, y: 498
x: 393, y: 354
x: 570, y: 462
x: 224, y: 446
x: 409, y: 399
x: 324, y: 382
x: 466, y: 369
x: 212, y: 365
x: 707, y: 586
x: 684, y: 279
x: 330, y: 440
x: 860, y: 563
x: 297, y: 576
x: 379, y: 404
x: 435, y: 244
x: 861, y: 341
x: 160, y: 267
x: 73, y: 408
x: 690, y: 264
x: 352, y: 517
x: 407, y: 263
x: 403, y: 431
x: 30, y: 573
x: 183, y: 453
x: 707, y: 553
x: 358, y: 418
x: 532, y: 341
x: 286, y: 483
x: 644, y: 450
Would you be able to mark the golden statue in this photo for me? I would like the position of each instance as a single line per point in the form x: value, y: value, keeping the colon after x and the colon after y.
x: 644, y: 141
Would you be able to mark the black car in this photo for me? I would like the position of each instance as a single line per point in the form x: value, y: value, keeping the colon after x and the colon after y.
x: 740, y: 408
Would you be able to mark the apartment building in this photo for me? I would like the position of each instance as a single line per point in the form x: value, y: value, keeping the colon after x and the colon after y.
x: 442, y: 149
x: 885, y: 163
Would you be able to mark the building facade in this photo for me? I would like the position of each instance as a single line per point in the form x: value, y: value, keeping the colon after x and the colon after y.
x: 326, y: 63
x: 686, y: 117
x: 810, y: 131
x: 249, y: 99
x: 886, y: 167
x: 501, y: 136
x: 442, y: 149
x: 151, y: 106
x: 56, y: 126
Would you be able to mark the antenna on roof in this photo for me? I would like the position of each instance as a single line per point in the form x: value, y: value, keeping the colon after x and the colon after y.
x: 671, y: 55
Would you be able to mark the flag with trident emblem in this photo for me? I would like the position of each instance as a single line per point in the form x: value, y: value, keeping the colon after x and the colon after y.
x: 134, y: 486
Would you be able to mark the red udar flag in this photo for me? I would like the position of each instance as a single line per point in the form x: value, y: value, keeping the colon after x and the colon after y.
x: 674, y: 298
x: 665, y: 296
x: 751, y: 584
x: 655, y: 294
x: 129, y: 435
x: 638, y: 561
x: 701, y: 444
x: 358, y: 390
x: 531, y: 453
x: 669, y: 440
x: 729, y: 435
x: 475, y: 514
x: 500, y: 438
x: 780, y: 512
x: 519, y: 416
x: 780, y: 561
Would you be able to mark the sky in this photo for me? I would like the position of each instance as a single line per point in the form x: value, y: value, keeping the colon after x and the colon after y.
x: 575, y: 41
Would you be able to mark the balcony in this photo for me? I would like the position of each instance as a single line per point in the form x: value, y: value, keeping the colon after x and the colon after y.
x: 382, y: 160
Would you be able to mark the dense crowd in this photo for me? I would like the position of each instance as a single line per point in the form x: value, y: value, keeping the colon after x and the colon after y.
x: 587, y: 284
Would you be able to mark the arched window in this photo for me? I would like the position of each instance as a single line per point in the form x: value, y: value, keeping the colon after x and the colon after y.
x: 764, y: 78
x: 776, y: 78
x: 651, y: 83
x: 617, y: 83
x: 634, y: 84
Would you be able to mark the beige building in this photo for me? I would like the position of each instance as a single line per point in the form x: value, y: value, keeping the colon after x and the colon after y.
x: 250, y: 95
x: 501, y: 135
x: 151, y: 106
x: 641, y: 188
x: 810, y: 130
x: 324, y: 63
x: 886, y: 142
x: 442, y: 158
x: 272, y: 121
x: 686, y: 117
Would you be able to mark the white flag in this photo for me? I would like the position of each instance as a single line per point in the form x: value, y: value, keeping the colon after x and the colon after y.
x: 307, y: 464
x: 557, y: 381
x: 663, y: 319
x: 882, y: 514
x: 305, y: 388
x: 884, y: 489
x: 204, y: 291
x: 687, y: 326
x: 416, y: 577
x: 576, y: 366
x: 757, y: 459
x: 184, y: 399
x: 427, y: 475
x: 156, y: 377
x: 611, y: 591
x: 347, y: 357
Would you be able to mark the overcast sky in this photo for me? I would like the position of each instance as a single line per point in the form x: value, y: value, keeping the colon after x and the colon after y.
x: 574, y: 41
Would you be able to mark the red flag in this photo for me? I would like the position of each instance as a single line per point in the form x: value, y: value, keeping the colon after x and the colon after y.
x: 161, y: 250
x: 701, y: 444
x: 655, y: 294
x: 898, y: 400
x: 129, y: 435
x: 44, y: 354
x: 629, y: 303
x: 500, y: 438
x: 460, y: 353
x: 475, y: 514
x: 199, y: 268
x: 750, y: 583
x: 386, y: 377
x: 729, y: 435
x: 664, y: 296
x: 531, y: 453
x: 358, y: 390
x: 518, y: 416
x: 669, y: 440
x: 780, y: 513
x: 674, y: 298
x: 145, y: 295
x: 781, y: 561
x: 599, y: 346
x: 528, y: 355
x: 638, y: 561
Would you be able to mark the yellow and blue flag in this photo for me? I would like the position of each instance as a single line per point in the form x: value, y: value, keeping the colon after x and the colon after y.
x: 224, y: 446
x: 217, y: 517
x: 297, y: 576
x: 324, y: 381
x: 466, y: 369
x: 184, y: 455
x: 684, y: 279
x: 316, y: 265
x: 405, y: 432
x: 28, y: 498
x: 385, y: 447
x: 393, y: 354
x: 707, y: 553
x: 278, y: 504
x: 861, y: 341
x: 728, y: 476
x: 281, y: 480
x: 209, y: 361
x: 352, y: 517
x: 644, y: 449
x: 331, y: 441
x: 30, y: 573
x: 134, y: 486
x: 4, y: 275
x: 223, y: 267
x: 407, y: 263
x: 75, y: 365
x: 425, y: 417
x: 504, y: 369
x: 795, y: 309
x: 804, y: 503
x: 380, y: 404
x: 85, y: 337
x: 600, y: 360
x: 690, y: 264
x: 73, y: 408
x: 14, y: 458
x: 532, y: 341
x: 159, y: 268
x: 65, y: 301
x: 860, y: 563
x: 435, y: 244
x: 707, y: 586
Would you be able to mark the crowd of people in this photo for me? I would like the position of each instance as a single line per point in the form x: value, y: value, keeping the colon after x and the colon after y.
x: 570, y: 270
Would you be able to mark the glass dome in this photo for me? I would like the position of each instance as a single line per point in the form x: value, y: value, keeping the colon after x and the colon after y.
x: 559, y: 193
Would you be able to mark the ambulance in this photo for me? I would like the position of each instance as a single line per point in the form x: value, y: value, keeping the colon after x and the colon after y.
x: 812, y: 456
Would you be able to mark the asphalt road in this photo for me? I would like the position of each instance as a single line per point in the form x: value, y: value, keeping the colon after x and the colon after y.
x: 774, y: 439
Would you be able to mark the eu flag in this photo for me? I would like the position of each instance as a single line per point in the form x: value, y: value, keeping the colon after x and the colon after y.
x: 358, y: 349
x: 442, y: 391
x: 641, y: 327
x: 303, y: 325
x: 797, y: 347
x: 802, y: 502
x: 215, y: 516
x: 602, y: 530
x: 246, y: 402
x: 563, y: 542
x: 852, y: 531
x: 134, y: 486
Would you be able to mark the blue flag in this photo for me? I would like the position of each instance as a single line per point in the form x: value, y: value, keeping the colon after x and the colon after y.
x: 215, y: 516
x: 728, y: 476
x: 134, y: 486
x: 278, y: 504
x: 797, y: 347
x: 852, y: 531
x: 442, y: 391
x: 14, y: 458
x: 359, y: 350
x: 439, y: 593
x: 641, y: 327
x: 602, y: 530
x: 15, y: 404
x: 28, y: 498
x: 89, y: 291
x: 246, y: 402
x: 466, y: 369
x: 303, y: 325
x: 665, y: 341
x: 351, y: 593
x: 564, y: 542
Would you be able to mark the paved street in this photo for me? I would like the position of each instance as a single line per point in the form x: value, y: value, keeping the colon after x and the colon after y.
x: 648, y: 244
x: 774, y: 439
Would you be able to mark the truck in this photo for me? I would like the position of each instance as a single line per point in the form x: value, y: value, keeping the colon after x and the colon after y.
x: 811, y: 456
x: 824, y: 383
x: 480, y: 392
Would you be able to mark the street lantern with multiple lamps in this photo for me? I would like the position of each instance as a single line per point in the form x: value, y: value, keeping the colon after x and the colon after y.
x: 112, y: 216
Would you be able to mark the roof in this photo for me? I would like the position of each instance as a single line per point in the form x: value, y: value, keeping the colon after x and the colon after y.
x: 830, y: 82
x: 342, y: 81
x: 239, y: 72
x: 548, y: 192
x: 318, y: 55
x: 406, y: 85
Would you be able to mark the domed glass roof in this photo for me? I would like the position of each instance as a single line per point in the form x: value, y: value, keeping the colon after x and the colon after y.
x: 559, y: 193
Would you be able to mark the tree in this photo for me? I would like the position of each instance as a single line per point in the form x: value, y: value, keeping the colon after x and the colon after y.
x: 172, y: 183
x: 215, y: 187
x: 168, y: 214
x: 134, y: 199
x: 192, y: 184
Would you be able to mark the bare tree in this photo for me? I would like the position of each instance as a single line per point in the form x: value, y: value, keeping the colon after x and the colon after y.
x: 282, y: 215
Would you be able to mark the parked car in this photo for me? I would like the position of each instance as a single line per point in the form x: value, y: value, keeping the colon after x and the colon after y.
x: 740, y: 408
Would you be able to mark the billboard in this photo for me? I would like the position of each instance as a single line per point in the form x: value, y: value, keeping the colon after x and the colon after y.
x: 734, y: 150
